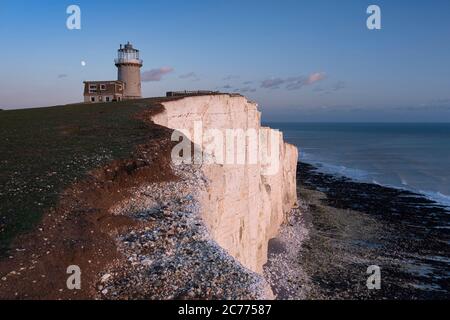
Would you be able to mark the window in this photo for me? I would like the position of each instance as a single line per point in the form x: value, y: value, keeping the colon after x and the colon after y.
x: 107, y: 99
x: 103, y: 87
x: 120, y: 87
x: 92, y: 99
x: 92, y: 88
x: 100, y: 98
x: 119, y: 98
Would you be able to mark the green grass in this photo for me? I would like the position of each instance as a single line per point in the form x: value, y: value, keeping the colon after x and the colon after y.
x: 44, y: 150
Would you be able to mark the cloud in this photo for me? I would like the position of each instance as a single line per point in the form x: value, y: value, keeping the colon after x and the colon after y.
x: 273, y: 83
x: 315, y: 77
x: 155, y: 74
x: 190, y: 75
x: 329, y: 90
x: 247, y: 82
x: 441, y: 104
x: 338, y: 86
x: 296, y: 83
x: 231, y: 77
x: 231, y: 88
x: 62, y: 75
x: 246, y: 89
x: 293, y: 83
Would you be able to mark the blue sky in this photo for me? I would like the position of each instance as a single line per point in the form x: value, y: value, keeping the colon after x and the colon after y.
x: 300, y: 60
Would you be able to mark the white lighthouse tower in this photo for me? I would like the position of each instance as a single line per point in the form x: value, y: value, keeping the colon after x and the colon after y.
x: 129, y: 64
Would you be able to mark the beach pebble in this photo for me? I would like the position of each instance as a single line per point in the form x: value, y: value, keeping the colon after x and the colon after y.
x: 105, y: 277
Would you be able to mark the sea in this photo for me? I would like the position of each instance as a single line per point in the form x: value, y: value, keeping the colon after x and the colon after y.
x: 412, y: 156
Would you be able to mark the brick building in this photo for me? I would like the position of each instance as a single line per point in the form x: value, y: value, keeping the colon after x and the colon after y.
x: 103, y: 91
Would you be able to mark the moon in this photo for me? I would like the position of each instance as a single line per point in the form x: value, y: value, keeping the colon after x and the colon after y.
x: 83, y: 63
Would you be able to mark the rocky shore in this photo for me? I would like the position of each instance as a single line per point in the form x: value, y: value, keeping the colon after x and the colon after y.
x: 287, y: 277
x: 347, y: 226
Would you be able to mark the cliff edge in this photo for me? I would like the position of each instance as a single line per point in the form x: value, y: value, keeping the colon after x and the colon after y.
x: 140, y: 219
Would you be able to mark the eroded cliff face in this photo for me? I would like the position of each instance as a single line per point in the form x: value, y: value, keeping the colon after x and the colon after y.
x: 244, y: 202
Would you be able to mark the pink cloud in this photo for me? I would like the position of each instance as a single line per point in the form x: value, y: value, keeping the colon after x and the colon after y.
x: 156, y: 74
x: 315, y: 77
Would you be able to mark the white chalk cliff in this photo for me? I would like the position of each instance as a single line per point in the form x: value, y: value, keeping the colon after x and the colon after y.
x: 244, y: 204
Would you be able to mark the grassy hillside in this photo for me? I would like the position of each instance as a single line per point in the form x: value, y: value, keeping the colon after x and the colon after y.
x: 44, y: 150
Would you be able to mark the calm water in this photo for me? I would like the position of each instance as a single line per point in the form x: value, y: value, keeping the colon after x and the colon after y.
x: 411, y: 156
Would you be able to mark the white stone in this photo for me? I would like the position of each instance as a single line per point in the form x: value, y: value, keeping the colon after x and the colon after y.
x: 105, y: 277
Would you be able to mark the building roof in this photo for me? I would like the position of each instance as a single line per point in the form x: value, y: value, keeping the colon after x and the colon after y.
x: 104, y: 81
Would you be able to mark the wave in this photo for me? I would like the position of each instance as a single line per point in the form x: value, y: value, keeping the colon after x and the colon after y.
x: 404, y: 182
x: 437, y: 197
x: 326, y: 167
x: 366, y: 176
